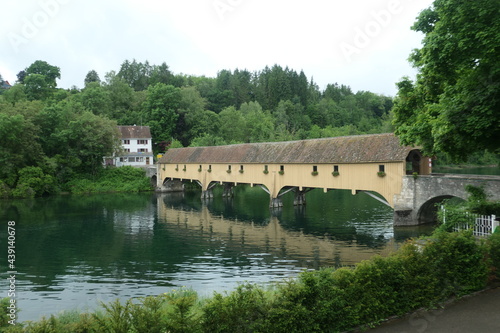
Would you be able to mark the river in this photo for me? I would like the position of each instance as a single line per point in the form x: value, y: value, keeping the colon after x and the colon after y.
x: 74, y: 251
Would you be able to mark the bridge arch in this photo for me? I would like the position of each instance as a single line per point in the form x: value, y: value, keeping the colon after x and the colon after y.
x: 427, y: 213
x: 416, y: 204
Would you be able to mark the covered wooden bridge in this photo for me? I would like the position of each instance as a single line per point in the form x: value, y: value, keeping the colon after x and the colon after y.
x: 370, y: 163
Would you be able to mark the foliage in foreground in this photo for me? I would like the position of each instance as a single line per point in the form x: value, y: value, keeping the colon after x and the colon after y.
x: 422, y: 273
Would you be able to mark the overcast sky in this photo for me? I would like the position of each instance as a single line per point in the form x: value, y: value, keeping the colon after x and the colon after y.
x: 361, y: 43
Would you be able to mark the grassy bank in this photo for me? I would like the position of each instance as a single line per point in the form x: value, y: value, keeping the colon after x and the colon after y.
x: 123, y: 179
x: 422, y: 273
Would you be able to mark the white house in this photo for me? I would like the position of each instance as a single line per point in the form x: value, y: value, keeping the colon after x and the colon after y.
x: 137, y: 147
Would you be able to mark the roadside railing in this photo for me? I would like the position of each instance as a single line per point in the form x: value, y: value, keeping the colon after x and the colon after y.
x: 481, y: 225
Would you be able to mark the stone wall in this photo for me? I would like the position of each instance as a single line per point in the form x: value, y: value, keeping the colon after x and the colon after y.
x: 419, y: 195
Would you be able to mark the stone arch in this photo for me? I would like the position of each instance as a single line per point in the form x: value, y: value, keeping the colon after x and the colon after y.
x: 427, y: 213
x: 153, y: 180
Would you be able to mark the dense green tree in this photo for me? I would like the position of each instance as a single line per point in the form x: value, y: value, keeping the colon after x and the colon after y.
x: 122, y: 98
x: 192, y: 121
x: 20, y: 76
x: 453, y: 104
x: 49, y: 72
x: 232, y: 125
x: 97, y: 99
x: 160, y: 110
x: 91, y: 77
x: 15, y: 94
x: 136, y: 74
x: 19, y: 146
x: 259, y: 124
x: 88, y: 138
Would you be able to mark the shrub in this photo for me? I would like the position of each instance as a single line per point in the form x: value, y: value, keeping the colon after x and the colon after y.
x: 493, y: 246
x: 243, y: 310
x: 182, y: 316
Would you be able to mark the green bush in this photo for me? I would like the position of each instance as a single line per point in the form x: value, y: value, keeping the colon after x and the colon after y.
x: 493, y: 246
x: 243, y: 310
x: 123, y: 179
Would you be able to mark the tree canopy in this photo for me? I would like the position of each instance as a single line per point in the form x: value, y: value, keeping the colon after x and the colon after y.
x: 454, y: 104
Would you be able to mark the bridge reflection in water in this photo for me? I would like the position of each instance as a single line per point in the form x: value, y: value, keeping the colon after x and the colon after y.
x: 268, y: 241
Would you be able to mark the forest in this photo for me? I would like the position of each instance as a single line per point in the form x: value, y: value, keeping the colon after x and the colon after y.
x: 59, y: 134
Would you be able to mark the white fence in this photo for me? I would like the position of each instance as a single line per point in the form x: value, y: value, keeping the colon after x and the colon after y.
x: 482, y: 225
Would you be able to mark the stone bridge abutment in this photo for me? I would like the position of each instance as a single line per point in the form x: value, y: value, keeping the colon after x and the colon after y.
x: 419, y: 195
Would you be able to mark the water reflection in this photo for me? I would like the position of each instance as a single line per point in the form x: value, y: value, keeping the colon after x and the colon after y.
x: 73, y: 251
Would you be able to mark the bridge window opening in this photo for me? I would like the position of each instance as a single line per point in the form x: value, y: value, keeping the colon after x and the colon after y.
x: 381, y: 168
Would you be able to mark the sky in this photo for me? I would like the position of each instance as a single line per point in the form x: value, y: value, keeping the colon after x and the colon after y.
x: 364, y: 44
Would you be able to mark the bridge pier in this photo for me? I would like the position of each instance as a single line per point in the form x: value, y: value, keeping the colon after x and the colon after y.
x: 228, y: 191
x: 276, y: 203
x: 172, y: 185
x: 300, y: 196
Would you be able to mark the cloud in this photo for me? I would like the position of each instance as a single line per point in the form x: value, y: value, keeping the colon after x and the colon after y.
x: 201, y: 37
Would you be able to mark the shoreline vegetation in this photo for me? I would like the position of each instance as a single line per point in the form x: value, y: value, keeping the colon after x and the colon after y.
x: 424, y: 273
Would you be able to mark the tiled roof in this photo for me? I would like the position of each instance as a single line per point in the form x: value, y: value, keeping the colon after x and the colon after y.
x: 135, y: 132
x: 347, y: 149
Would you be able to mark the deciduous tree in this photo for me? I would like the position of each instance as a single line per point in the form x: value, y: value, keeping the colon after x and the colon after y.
x: 453, y: 106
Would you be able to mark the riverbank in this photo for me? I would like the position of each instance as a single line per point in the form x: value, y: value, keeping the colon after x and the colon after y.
x: 421, y: 274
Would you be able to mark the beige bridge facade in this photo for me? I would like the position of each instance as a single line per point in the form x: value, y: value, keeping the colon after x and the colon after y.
x: 375, y: 164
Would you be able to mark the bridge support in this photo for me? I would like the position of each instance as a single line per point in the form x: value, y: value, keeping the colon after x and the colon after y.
x: 172, y: 185
x: 300, y: 196
x: 208, y: 193
x: 417, y: 203
x: 228, y: 191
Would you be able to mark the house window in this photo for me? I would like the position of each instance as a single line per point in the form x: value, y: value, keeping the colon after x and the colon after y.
x: 126, y: 142
x: 381, y: 168
x: 282, y: 168
x: 131, y: 159
x: 210, y: 167
x: 122, y: 159
x: 335, y: 168
x: 142, y: 150
x: 266, y: 168
x: 140, y: 159
x: 142, y: 142
x: 127, y: 150
x: 315, y: 168
x: 241, y: 168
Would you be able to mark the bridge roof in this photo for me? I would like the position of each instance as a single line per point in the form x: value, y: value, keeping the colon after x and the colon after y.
x: 346, y: 149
